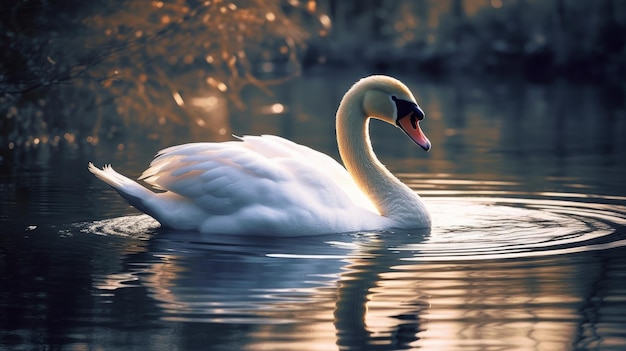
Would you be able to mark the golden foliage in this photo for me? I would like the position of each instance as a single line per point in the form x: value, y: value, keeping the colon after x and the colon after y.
x: 165, y: 50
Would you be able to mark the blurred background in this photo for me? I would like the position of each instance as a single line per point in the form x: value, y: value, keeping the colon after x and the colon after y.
x: 524, y: 103
x: 76, y: 73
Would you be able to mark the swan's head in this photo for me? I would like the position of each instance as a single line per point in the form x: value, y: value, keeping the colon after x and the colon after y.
x: 388, y: 99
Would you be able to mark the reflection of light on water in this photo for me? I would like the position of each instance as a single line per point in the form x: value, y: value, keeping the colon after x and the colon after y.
x: 499, y: 303
x: 463, y: 229
x: 383, y: 288
x: 114, y: 281
x: 497, y: 228
x: 449, y: 182
x: 469, y: 229
x: 582, y: 196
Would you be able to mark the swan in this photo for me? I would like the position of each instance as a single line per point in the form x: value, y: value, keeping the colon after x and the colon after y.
x: 267, y: 185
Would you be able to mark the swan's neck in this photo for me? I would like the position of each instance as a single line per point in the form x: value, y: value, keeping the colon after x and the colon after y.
x: 391, y: 197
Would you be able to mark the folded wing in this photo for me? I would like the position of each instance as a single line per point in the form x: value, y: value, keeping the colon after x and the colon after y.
x: 266, y: 173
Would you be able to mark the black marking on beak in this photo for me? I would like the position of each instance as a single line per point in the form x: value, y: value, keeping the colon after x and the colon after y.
x: 407, y: 108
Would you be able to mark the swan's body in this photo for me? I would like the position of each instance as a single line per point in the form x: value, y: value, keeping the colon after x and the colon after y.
x: 268, y: 185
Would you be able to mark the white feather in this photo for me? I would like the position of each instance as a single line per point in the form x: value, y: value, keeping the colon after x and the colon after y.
x: 262, y: 185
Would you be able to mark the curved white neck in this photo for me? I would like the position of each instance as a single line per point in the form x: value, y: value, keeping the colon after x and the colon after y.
x: 391, y: 197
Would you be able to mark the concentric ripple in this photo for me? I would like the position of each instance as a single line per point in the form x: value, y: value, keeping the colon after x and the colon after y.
x: 498, y: 228
x: 466, y: 228
x: 231, y: 279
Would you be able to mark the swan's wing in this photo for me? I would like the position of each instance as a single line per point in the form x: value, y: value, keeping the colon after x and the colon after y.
x: 227, y: 177
x: 272, y: 145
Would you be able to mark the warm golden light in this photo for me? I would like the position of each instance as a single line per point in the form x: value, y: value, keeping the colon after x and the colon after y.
x: 178, y: 98
x: 311, y: 5
x: 325, y: 20
x: 278, y: 108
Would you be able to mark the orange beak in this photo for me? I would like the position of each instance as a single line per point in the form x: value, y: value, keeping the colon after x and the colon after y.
x: 411, y: 126
x: 408, y: 119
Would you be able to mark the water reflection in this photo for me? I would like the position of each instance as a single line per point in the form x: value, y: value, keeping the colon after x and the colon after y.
x: 385, y: 290
x: 450, y: 288
x: 373, y: 312
x: 308, y: 293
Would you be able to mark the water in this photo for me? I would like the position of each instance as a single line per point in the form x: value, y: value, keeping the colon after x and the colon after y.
x: 527, y: 252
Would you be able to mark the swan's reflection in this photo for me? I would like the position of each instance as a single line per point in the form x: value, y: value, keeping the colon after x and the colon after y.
x: 395, y: 321
x: 270, y: 283
x: 353, y: 292
x: 239, y: 280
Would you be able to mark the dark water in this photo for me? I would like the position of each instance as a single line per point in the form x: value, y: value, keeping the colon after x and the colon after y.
x: 527, y: 252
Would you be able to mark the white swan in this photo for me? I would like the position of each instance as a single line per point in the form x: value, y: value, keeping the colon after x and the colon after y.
x: 267, y: 185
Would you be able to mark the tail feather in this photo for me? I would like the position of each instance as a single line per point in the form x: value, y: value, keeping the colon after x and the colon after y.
x: 131, y: 191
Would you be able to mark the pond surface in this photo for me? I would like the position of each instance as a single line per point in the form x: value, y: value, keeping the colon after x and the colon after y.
x: 527, y: 189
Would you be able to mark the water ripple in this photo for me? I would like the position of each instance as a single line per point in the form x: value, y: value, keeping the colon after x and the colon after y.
x: 499, y: 228
x: 137, y: 227
x: 464, y: 228
x: 229, y: 279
